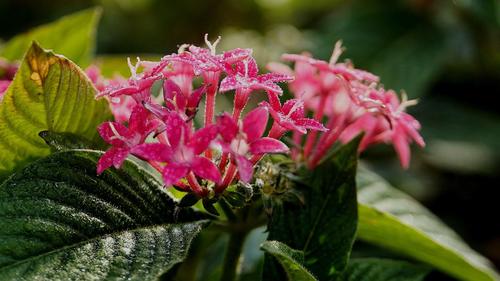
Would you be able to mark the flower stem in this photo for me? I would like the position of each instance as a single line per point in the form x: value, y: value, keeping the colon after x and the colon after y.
x: 232, y: 257
x: 209, y: 116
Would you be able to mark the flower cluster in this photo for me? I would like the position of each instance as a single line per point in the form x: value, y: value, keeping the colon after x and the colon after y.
x: 208, y: 158
x: 162, y: 131
x: 351, y: 100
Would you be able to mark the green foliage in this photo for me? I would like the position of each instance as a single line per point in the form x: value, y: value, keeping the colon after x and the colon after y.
x: 60, y: 221
x: 67, y: 141
x: 72, y: 35
x: 138, y: 254
x: 383, y: 270
x: 392, y: 219
x: 290, y: 259
x: 324, y: 227
x: 50, y: 93
x: 407, y: 55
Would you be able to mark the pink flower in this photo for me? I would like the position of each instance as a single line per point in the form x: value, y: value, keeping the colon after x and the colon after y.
x: 206, y: 60
x: 245, y: 75
x: 290, y: 117
x: 177, y: 100
x: 138, y: 86
x: 123, y: 139
x: 246, y: 140
x: 122, y: 107
x: 346, y: 70
x: 385, y: 120
x: 182, y: 152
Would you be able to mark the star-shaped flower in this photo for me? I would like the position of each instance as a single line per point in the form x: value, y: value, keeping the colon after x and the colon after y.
x: 246, y: 75
x: 123, y: 139
x: 290, y: 117
x: 245, y: 140
x: 182, y: 153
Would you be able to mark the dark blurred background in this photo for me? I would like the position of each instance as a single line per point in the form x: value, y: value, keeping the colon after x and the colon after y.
x: 445, y: 53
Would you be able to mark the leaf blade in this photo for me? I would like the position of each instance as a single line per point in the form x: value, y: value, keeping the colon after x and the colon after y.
x: 410, y: 229
x: 290, y: 259
x: 49, y: 92
x: 59, y: 203
x: 117, y: 256
x: 330, y: 199
x: 383, y: 270
x: 72, y: 35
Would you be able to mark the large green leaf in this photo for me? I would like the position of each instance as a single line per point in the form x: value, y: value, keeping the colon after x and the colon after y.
x: 325, y: 226
x: 392, y: 219
x: 62, y: 222
x: 383, y: 270
x: 290, y: 259
x: 72, y: 35
x: 51, y: 93
x: 139, y: 254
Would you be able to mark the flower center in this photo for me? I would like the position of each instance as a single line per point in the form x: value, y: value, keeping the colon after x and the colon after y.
x: 184, y: 155
x: 240, y: 146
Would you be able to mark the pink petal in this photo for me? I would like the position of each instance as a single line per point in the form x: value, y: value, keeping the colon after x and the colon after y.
x: 195, y: 97
x: 267, y: 145
x: 245, y: 168
x: 175, y: 128
x: 138, y: 121
x: 274, y: 77
x: 267, y: 86
x: 202, y: 138
x: 113, y: 132
x: 228, y: 129
x: 310, y: 124
x: 274, y: 100
x: 296, y: 105
x: 228, y: 83
x: 152, y: 151
x: 250, y: 70
x: 172, y: 92
x: 236, y: 55
x: 113, y: 157
x: 206, y: 169
x: 402, y: 147
x: 173, y: 172
x: 254, y: 124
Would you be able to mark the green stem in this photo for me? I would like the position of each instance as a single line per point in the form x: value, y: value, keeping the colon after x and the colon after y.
x: 232, y: 257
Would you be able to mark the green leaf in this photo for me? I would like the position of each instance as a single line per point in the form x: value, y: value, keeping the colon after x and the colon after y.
x: 324, y: 227
x: 139, y: 254
x: 72, y: 35
x: 51, y: 93
x: 67, y: 141
x: 383, y: 270
x: 60, y: 221
x: 392, y: 219
x: 290, y: 259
